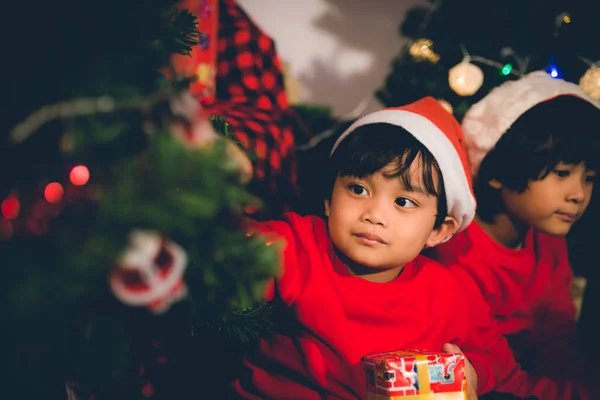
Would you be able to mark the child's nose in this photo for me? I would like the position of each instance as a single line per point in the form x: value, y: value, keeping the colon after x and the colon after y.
x: 577, y: 192
x: 374, y: 214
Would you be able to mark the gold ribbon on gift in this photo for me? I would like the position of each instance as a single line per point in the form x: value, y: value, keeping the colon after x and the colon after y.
x: 423, y: 375
x: 424, y: 386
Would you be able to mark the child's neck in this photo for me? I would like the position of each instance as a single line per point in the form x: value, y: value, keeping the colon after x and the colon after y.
x: 376, y: 275
x: 504, y: 230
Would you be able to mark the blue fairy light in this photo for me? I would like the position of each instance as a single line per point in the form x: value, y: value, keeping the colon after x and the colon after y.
x: 553, y: 70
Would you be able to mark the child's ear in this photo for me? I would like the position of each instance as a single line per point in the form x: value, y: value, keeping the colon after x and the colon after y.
x: 447, y: 229
x: 494, y: 183
x: 327, y: 207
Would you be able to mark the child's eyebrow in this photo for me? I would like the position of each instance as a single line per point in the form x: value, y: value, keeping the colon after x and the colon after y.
x: 418, y: 189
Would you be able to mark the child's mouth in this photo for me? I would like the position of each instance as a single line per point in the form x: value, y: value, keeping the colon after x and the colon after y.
x: 370, y: 239
x: 567, y: 217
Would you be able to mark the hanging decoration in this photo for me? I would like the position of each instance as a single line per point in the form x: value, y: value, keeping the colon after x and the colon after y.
x: 465, y: 78
x: 201, y: 63
x: 447, y: 106
x: 553, y: 69
x: 561, y: 19
x: 422, y: 50
x: 506, y: 69
x: 590, y: 81
x: 150, y: 272
x: 11, y: 207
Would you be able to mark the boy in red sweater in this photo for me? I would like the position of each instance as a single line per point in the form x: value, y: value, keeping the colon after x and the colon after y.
x: 354, y: 284
x: 534, y: 158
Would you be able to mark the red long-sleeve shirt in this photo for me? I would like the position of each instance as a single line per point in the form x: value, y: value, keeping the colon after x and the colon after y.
x: 528, y: 294
x: 332, y: 319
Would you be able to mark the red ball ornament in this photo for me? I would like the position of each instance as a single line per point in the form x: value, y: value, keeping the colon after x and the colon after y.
x: 53, y: 192
x: 11, y: 207
x: 80, y: 175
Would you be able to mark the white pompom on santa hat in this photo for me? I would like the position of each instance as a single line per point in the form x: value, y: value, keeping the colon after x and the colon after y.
x: 489, y: 119
x: 440, y: 133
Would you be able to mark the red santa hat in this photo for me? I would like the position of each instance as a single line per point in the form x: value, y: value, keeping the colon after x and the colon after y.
x: 486, y: 121
x: 441, y: 134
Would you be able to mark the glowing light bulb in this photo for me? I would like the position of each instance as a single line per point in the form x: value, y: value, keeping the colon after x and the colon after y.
x: 53, y: 193
x: 11, y: 207
x: 507, y: 69
x: 80, y: 175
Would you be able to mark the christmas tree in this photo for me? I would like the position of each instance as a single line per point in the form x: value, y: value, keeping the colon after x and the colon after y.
x: 459, y: 50
x: 121, y: 228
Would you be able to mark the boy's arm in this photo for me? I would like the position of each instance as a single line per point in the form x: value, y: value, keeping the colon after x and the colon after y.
x: 494, y: 361
x: 288, y: 284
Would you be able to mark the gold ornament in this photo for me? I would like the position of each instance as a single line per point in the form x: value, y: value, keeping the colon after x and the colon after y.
x: 447, y: 106
x: 422, y: 50
x: 465, y: 78
x: 590, y: 82
x: 205, y: 73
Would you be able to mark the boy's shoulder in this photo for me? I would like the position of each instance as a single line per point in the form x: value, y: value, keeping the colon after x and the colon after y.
x: 433, y: 270
x: 438, y: 282
x: 304, y: 223
x: 292, y: 225
x: 461, y: 244
x: 548, y: 246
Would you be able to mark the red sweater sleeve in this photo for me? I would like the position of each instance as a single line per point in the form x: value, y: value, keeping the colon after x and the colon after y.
x: 497, y: 369
x: 290, y: 234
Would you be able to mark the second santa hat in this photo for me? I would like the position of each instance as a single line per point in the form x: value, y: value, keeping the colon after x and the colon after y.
x: 441, y: 134
x: 489, y: 119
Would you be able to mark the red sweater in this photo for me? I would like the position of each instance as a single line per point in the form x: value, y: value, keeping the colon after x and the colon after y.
x: 528, y: 293
x: 332, y: 319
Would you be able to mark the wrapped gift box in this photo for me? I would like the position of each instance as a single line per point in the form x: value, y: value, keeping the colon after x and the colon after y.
x: 416, y: 376
x: 201, y: 64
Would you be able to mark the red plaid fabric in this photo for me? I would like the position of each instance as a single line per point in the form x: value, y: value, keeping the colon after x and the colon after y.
x: 250, y: 95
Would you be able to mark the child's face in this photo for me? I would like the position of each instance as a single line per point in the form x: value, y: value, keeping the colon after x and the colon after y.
x: 553, y: 204
x: 379, y: 225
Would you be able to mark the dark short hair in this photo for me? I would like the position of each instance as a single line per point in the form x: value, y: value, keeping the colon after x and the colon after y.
x: 370, y: 148
x: 555, y: 131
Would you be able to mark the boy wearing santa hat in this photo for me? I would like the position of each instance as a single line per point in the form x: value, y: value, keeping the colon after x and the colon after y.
x: 354, y: 283
x: 534, y: 155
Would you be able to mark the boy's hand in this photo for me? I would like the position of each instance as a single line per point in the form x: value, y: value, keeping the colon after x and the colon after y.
x: 469, y: 371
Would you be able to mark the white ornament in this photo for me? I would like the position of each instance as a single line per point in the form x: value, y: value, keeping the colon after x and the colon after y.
x: 447, y: 106
x: 195, y: 130
x: 149, y: 273
x: 465, y: 78
x: 590, y: 82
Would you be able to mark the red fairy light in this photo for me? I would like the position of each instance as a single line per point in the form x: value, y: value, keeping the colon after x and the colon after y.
x: 11, y: 207
x: 53, y: 192
x: 250, y: 209
x: 80, y: 175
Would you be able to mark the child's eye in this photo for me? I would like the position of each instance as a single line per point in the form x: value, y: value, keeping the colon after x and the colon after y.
x: 562, y: 173
x: 405, y: 203
x: 358, y: 189
x: 590, y: 178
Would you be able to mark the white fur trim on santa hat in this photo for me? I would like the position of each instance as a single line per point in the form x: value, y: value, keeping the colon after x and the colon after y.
x: 460, y: 200
x: 486, y: 121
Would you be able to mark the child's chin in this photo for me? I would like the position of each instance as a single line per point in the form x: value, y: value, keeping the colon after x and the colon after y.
x: 555, y: 230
